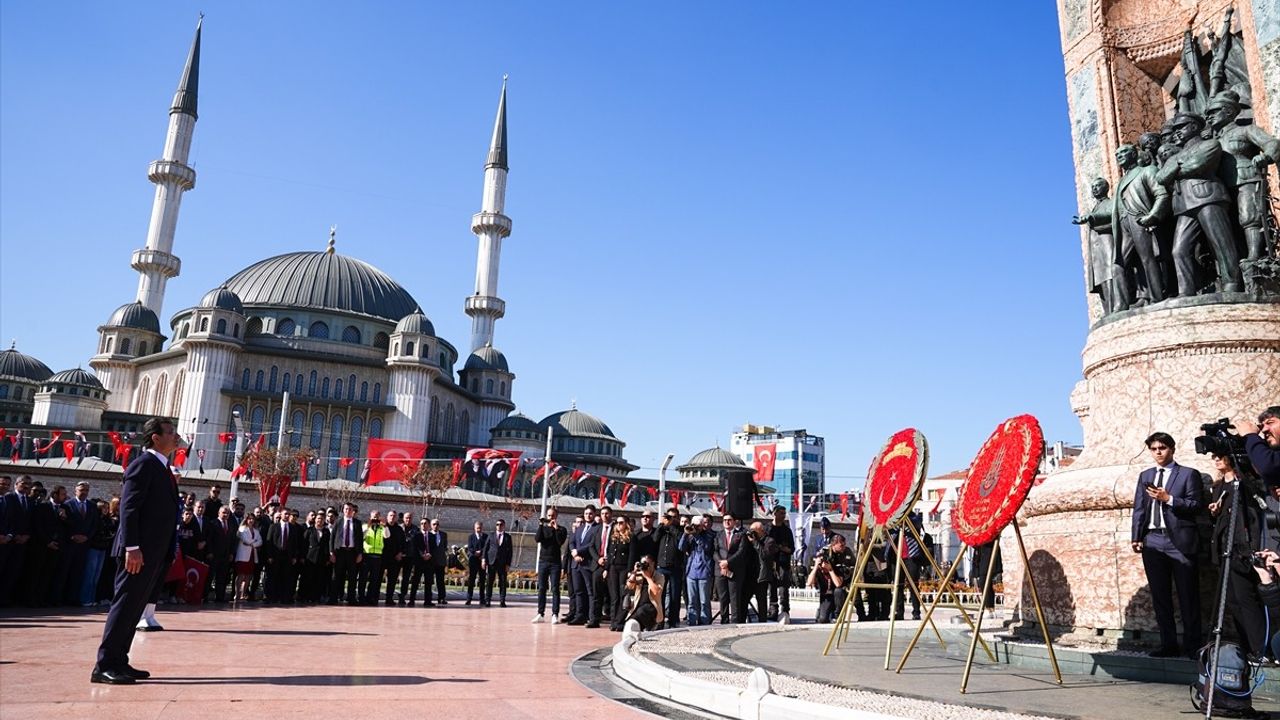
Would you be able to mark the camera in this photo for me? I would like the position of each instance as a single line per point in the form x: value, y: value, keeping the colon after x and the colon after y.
x: 1219, y: 440
x: 642, y: 565
x: 1259, y: 561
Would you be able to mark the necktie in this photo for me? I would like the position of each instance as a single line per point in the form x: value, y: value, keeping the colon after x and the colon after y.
x: 1156, y: 506
x: 285, y: 531
x: 346, y: 534
x: 604, y: 541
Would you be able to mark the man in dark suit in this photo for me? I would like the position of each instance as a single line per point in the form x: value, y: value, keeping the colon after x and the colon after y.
x: 393, y: 554
x: 46, y: 551
x: 212, y: 504
x: 730, y: 577
x: 82, y: 524
x: 143, y: 549
x: 346, y: 552
x: 437, y: 560
x: 414, y: 545
x: 16, y: 526
x: 476, y: 543
x: 1165, y: 506
x: 220, y: 543
x: 497, y: 561
x: 584, y: 547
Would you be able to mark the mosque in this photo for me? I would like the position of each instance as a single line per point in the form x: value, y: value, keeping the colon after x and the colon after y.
x: 355, y: 352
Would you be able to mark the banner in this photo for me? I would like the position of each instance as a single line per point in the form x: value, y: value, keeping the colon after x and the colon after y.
x: 764, y: 457
x: 197, y: 573
x: 487, y: 465
x: 388, y: 457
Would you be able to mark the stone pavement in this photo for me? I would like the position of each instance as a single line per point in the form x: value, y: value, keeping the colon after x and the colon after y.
x: 314, y: 662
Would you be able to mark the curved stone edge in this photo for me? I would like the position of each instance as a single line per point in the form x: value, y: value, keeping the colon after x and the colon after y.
x: 756, y: 702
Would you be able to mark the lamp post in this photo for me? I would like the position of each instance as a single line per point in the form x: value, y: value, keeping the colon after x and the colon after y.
x: 662, y: 482
x: 235, y: 428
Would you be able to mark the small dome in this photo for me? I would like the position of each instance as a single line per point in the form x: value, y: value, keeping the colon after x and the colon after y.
x: 19, y: 365
x: 715, y: 457
x: 222, y: 299
x: 75, y: 376
x: 135, y: 315
x: 575, y: 423
x: 518, y: 422
x: 487, y: 358
x: 416, y: 322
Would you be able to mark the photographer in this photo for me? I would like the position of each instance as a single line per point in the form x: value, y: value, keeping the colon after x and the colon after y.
x: 1262, y: 444
x: 1267, y: 566
x: 646, y: 605
x: 698, y: 544
x: 1243, y: 599
x: 832, y: 572
x: 671, y: 563
x: 550, y: 539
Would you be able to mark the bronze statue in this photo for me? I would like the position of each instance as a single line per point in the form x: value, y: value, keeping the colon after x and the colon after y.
x: 1249, y: 149
x: 1140, y: 204
x: 1103, y: 275
x: 1200, y: 202
x: 1148, y: 148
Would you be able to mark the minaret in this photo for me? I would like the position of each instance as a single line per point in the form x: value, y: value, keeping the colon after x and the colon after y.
x: 156, y: 263
x: 490, y: 227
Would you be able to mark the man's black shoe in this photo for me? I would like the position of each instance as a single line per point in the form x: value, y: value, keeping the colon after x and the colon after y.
x: 443, y: 602
x: 1164, y: 653
x: 135, y: 673
x: 502, y: 604
x: 592, y: 625
x: 577, y: 621
x: 468, y: 602
x: 425, y: 604
x: 111, y: 677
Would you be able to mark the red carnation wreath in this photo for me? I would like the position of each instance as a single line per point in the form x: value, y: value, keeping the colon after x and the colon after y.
x: 895, y: 477
x: 998, y: 480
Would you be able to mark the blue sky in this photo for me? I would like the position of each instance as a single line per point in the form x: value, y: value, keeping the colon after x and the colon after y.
x: 846, y: 217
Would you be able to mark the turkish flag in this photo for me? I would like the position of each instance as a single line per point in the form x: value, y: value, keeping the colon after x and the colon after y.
x: 389, y: 456
x: 177, y: 570
x: 764, y: 456
x: 196, y: 576
x: 69, y: 449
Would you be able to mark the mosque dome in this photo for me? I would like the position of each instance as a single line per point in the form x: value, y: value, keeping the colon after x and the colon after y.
x: 575, y: 423
x: 15, y: 364
x: 222, y: 299
x: 135, y: 315
x: 323, y: 281
x: 416, y: 322
x: 518, y: 422
x: 75, y: 376
x: 714, y: 457
x: 490, y: 358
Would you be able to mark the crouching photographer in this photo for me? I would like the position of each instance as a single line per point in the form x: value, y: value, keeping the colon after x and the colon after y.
x: 1262, y: 444
x: 1267, y: 566
x: 646, y: 605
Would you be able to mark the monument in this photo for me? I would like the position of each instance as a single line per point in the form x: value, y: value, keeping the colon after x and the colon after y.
x: 1175, y: 107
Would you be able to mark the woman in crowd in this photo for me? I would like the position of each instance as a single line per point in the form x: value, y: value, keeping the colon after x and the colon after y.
x: 315, y: 573
x: 106, y: 537
x: 246, y: 556
x: 646, y: 605
x: 1243, y: 600
x: 616, y: 569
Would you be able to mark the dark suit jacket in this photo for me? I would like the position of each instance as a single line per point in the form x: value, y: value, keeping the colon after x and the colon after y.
x: 643, y: 543
x: 726, y: 547
x: 1265, y: 459
x: 81, y: 522
x: 317, y: 545
x: 439, y: 549
x: 475, y: 547
x: 741, y: 555
x: 219, y: 545
x: 395, y: 543
x: 357, y: 535
x: 498, y: 555
x: 47, y: 525
x: 1186, y: 489
x: 587, y: 542
x: 17, y: 520
x: 148, y: 507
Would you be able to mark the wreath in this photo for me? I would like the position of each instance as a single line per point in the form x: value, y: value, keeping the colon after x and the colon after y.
x: 895, y: 477
x: 998, y: 481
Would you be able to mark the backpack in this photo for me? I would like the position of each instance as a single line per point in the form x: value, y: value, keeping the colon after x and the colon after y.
x: 1232, y: 697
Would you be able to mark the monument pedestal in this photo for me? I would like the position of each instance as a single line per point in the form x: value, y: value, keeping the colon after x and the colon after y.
x: 1165, y: 370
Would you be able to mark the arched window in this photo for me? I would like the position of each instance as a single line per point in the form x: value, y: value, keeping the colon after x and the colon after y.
x: 319, y: 330
x: 351, y: 334
x: 433, y: 426
x: 142, y: 349
x: 256, y: 419
x: 236, y: 332
x: 186, y: 328
x: 274, y: 429
x: 364, y: 392
x: 351, y: 388
x: 17, y: 392
x: 380, y: 340
x: 162, y: 387
x: 4, y: 392
x: 324, y: 388
x: 255, y: 327
x: 377, y: 393
x: 503, y: 391
x: 110, y: 342
x: 591, y: 446
x: 335, y: 443
x: 450, y: 424
x: 443, y: 362
x: 244, y: 380
x: 375, y: 427
x: 426, y: 351
x: 271, y: 381
x: 287, y: 382
x: 257, y: 381
x: 311, y: 384
x: 464, y: 428
x: 204, y: 324
x: 337, y: 389
x: 475, y: 385
x: 408, y: 347
x: 222, y: 326
x: 317, y: 430
x: 295, y: 423
x: 286, y: 327
x: 297, y: 384
x: 125, y: 346
x: 396, y: 349
x: 353, y: 445
x: 488, y: 386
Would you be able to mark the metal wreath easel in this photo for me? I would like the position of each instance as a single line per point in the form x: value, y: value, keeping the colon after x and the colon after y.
x: 945, y: 588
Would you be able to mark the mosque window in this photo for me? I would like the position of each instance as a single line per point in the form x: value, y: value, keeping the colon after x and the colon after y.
x: 364, y: 392
x: 186, y: 328
x: 275, y: 427
x: 475, y: 385
x: 504, y: 389
x: 443, y: 362
x: 319, y: 330
x: 287, y: 382
x: 381, y: 340
x: 257, y: 381
x: 255, y: 327
x: 395, y: 350
x: 337, y: 389
x: 162, y: 386
x: 295, y: 438
x: 204, y: 324
x: 271, y: 383
x: 236, y: 331
x: 488, y: 386
x: 464, y: 427
x: 408, y: 347
x: 177, y: 391
x: 433, y: 426
x: 351, y: 334
x: 285, y: 327
x: 4, y: 391
x: 142, y: 349
x: 317, y: 430
x: 324, y: 388
x: 110, y: 342
x: 375, y: 427
x: 256, y: 419
x: 244, y: 380
x: 125, y: 346
x: 351, y: 388
x: 450, y: 424
x: 222, y: 326
x: 591, y: 447
x: 335, y: 443
x: 353, y: 445
x: 311, y: 386
x: 297, y: 384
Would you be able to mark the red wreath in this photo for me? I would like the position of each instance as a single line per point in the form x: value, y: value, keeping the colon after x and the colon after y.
x: 895, y: 476
x: 998, y: 480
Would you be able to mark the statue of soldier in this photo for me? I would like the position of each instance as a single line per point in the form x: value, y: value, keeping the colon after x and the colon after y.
x: 1200, y: 202
x: 1148, y: 148
x: 1249, y: 149
x: 1104, y: 276
x: 1140, y: 204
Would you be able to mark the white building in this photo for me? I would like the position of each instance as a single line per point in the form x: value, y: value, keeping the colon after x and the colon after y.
x: 797, y: 454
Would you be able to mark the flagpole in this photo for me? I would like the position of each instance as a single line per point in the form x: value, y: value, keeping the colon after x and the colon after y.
x: 284, y: 418
x: 546, y: 481
x: 662, y: 482
x: 239, y: 451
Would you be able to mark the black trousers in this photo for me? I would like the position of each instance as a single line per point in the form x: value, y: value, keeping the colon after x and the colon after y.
x: 585, y: 592
x: 780, y: 593
x: 601, y: 599
x: 314, y: 581
x: 419, y: 569
x: 672, y: 593
x: 391, y: 567
x: 500, y: 575
x: 1167, y: 568
x: 1247, y: 611
x: 132, y: 593
x: 408, y: 566
x: 42, y: 565
x: 369, y: 579
x: 736, y: 592
x: 475, y: 573
x: 66, y: 583
x: 12, y: 557
x: 435, y: 572
x: 725, y: 610
x: 759, y: 592
x: 345, y: 572
x: 219, y: 575
x: 549, y: 580
x: 829, y: 604
x: 616, y: 582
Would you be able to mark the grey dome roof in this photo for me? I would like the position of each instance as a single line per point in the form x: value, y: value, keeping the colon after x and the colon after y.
x: 416, y: 322
x: 21, y: 365
x: 715, y: 457
x: 222, y: 299
x: 76, y: 376
x: 488, y: 358
x: 322, y: 281
x: 135, y: 315
x: 575, y: 423
x: 518, y: 422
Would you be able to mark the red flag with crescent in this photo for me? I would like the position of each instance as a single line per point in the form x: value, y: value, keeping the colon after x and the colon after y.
x: 389, y: 456
x: 180, y: 457
x: 69, y: 449
x: 195, y: 575
x: 764, y: 457
x: 456, y: 470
